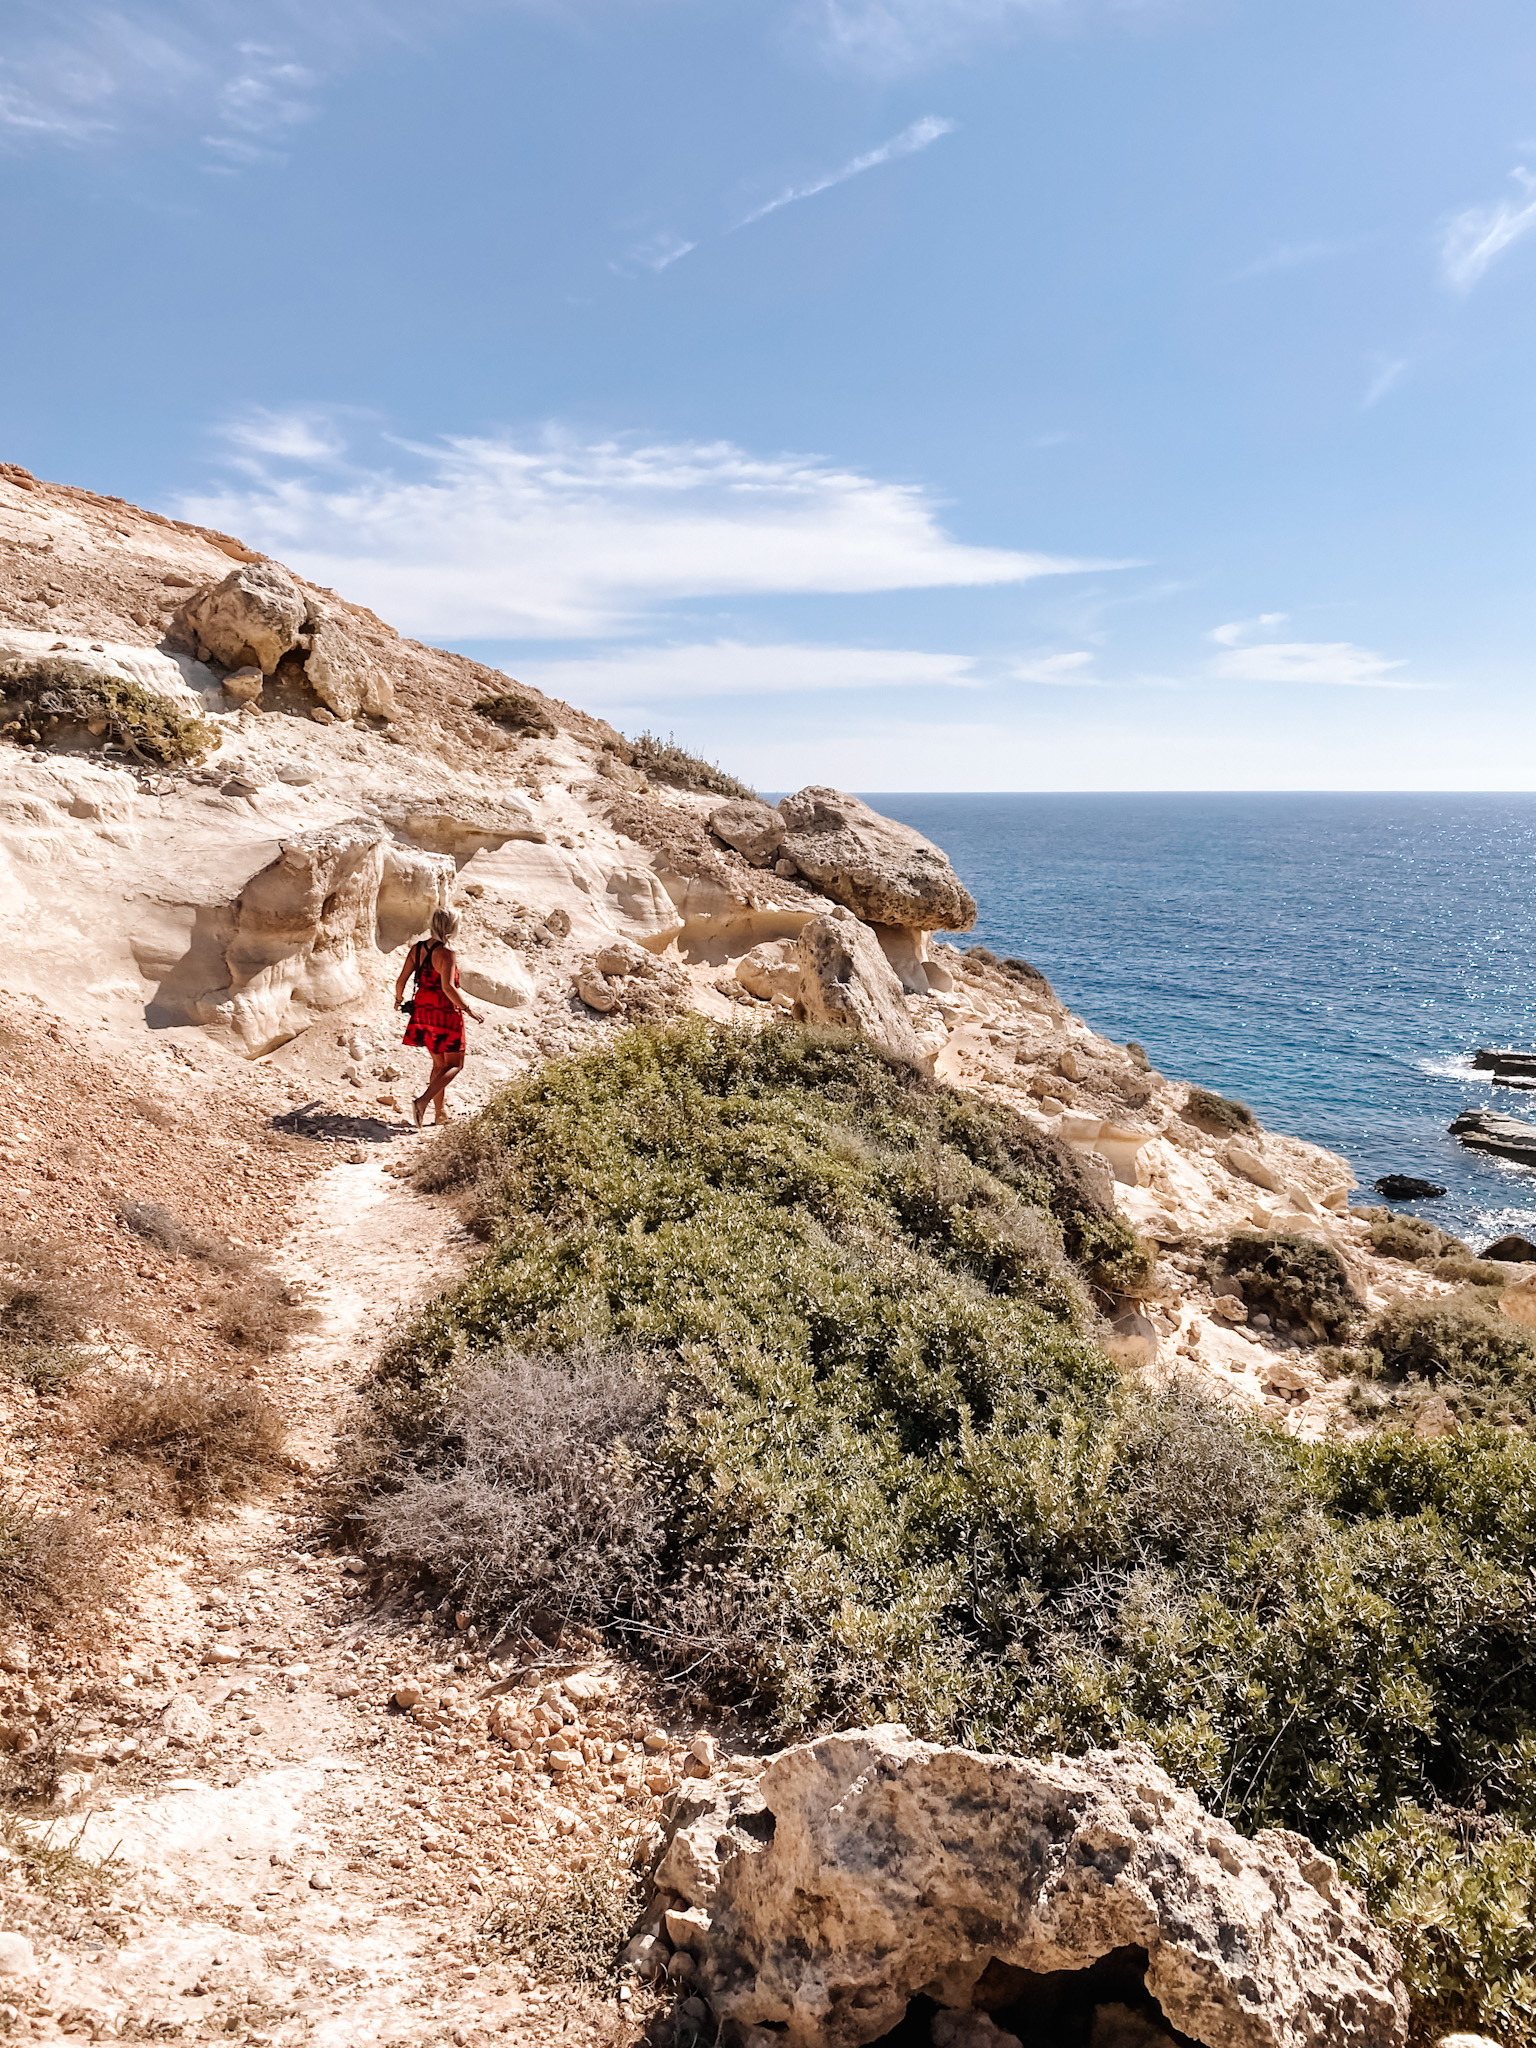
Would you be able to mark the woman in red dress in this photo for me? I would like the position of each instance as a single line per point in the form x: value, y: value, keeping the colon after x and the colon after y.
x: 437, y: 1011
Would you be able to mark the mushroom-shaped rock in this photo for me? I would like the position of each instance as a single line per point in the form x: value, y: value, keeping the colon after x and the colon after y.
x: 851, y: 1874
x: 755, y: 830
x: 251, y: 619
x: 846, y: 979
x: 884, y: 872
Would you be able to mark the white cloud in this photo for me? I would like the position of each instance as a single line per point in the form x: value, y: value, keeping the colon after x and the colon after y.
x: 265, y: 98
x: 635, y: 676
x: 1237, y: 630
x: 1291, y: 256
x: 658, y: 252
x: 890, y: 36
x: 921, y: 134
x: 1071, y: 669
x: 1389, y: 372
x: 1335, y: 662
x: 1472, y: 240
x: 561, y: 538
x: 287, y: 436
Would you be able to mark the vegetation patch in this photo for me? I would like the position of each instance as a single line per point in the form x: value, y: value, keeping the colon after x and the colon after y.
x: 45, y: 1297
x: 46, y: 694
x: 1217, y: 1115
x: 825, y: 1336
x: 212, y: 1441
x: 665, y: 761
x: 50, y: 1567
x: 571, y: 1931
x: 518, y: 712
x: 1298, y: 1278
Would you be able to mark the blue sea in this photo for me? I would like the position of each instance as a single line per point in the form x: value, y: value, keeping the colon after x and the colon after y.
x: 1333, y: 960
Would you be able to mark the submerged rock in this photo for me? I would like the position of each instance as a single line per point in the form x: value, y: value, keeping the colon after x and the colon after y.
x: 851, y: 1875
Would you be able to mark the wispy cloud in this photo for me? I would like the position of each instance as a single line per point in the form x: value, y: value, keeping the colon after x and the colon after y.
x: 888, y: 37
x: 1389, y: 372
x: 565, y: 538
x: 659, y: 251
x: 1472, y: 240
x: 639, y: 676
x: 268, y: 95
x: 1291, y: 256
x: 1073, y: 670
x: 922, y: 134
x: 1237, y: 630
x: 1336, y: 662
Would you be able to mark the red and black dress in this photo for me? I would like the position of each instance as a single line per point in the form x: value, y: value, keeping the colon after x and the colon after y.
x: 435, y: 1022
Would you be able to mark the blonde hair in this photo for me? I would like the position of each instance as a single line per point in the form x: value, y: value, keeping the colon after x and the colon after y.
x: 445, y: 926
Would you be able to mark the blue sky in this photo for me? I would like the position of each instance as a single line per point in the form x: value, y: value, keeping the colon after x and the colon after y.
x: 907, y: 394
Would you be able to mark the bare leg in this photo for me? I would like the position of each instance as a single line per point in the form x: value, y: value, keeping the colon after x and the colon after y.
x: 448, y: 1075
x: 433, y: 1089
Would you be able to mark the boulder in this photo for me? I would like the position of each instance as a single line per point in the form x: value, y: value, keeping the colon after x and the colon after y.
x: 1403, y: 1187
x: 594, y: 991
x: 847, y: 980
x: 186, y: 1722
x: 623, y: 956
x: 772, y: 969
x: 501, y: 978
x: 1485, y: 1130
x: 755, y: 830
x: 343, y: 671
x: 844, y: 1878
x: 1519, y: 1303
x: 1515, y: 1251
x: 884, y: 872
x: 1244, y: 1160
x: 243, y: 685
x: 250, y: 620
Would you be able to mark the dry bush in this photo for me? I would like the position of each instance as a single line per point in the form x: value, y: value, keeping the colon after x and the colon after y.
x: 215, y: 1441
x: 50, y: 1566
x: 45, y: 1298
x: 1217, y: 1115
x: 262, y: 1314
x: 45, y: 1368
x: 159, y: 1226
x: 529, y: 1504
x: 575, y: 1930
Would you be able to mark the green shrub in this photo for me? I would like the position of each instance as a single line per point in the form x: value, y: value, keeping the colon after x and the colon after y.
x: 893, y: 1477
x: 1397, y: 1236
x: 665, y: 761
x: 42, y: 693
x: 1299, y: 1278
x: 1459, y: 1339
x: 1217, y: 1113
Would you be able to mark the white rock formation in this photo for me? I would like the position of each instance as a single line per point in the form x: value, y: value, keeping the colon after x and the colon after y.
x: 884, y: 872
x: 847, y: 1876
x: 846, y: 979
x: 250, y: 619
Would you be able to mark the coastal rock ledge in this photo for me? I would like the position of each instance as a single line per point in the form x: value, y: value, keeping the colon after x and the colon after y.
x: 817, y: 1895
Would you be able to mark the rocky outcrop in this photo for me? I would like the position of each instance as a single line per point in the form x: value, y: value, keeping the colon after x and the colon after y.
x: 294, y: 942
x: 342, y: 671
x: 845, y: 979
x: 249, y: 620
x: 1484, y: 1130
x: 1403, y: 1187
x: 884, y: 872
x: 755, y: 830
x: 820, y: 1893
x: 1513, y: 1250
x: 461, y: 826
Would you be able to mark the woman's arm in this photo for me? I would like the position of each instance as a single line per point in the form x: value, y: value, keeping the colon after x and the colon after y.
x: 405, y: 975
x: 447, y: 967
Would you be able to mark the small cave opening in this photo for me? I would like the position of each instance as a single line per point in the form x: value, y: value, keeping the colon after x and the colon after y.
x: 1106, y: 2005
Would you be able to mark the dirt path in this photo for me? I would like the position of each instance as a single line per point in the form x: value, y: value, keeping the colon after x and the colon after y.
x: 293, y: 1859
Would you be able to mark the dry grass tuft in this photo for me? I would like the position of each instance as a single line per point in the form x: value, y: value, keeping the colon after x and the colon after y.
x: 214, y: 1441
x: 159, y: 1226
x: 50, y: 1566
x: 262, y: 1314
x: 44, y: 1296
x: 45, y: 1368
x: 573, y: 1931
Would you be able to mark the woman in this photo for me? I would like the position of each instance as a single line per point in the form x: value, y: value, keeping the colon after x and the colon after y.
x: 437, y: 1011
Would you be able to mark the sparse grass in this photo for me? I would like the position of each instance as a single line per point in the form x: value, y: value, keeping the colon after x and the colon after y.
x: 45, y: 1297
x: 213, y: 1441
x: 1299, y: 1278
x: 1217, y: 1115
x: 665, y: 761
x: 39, y: 694
x: 158, y: 1226
x: 45, y: 1368
x: 571, y: 1931
x: 57, y: 1867
x: 50, y: 1566
x: 262, y: 1314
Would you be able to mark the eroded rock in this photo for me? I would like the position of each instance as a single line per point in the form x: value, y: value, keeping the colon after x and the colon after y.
x: 755, y: 830
x: 343, y: 671
x: 250, y: 620
x: 846, y: 979
x: 851, y: 1874
x: 884, y: 872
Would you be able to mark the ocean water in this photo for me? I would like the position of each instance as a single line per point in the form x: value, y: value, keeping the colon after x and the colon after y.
x: 1333, y: 960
